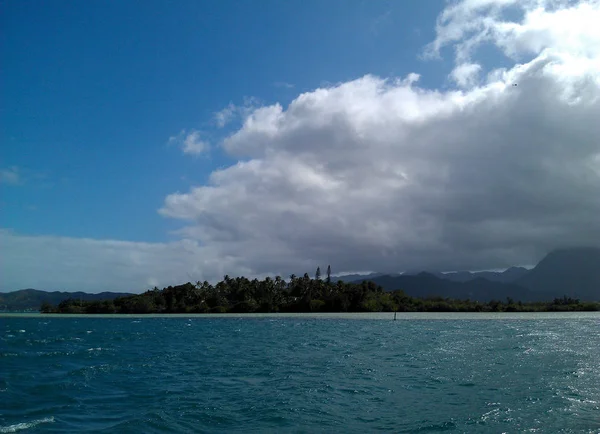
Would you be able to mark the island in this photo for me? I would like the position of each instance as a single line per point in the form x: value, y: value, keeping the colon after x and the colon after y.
x: 298, y: 294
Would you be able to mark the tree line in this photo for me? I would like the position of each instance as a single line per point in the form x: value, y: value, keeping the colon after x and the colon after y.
x: 298, y: 294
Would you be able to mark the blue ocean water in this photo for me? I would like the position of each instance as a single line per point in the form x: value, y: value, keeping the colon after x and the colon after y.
x: 278, y: 374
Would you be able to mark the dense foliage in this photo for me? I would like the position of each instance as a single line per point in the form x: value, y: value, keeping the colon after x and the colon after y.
x: 299, y: 294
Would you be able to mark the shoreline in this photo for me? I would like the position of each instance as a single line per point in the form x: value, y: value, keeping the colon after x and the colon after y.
x: 388, y: 316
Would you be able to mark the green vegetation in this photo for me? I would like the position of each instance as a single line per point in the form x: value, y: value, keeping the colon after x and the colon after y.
x: 25, y: 300
x: 299, y: 294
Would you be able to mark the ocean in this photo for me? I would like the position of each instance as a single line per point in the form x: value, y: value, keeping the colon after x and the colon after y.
x: 347, y: 373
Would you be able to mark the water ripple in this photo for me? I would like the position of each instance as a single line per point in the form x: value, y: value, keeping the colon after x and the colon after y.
x: 160, y: 375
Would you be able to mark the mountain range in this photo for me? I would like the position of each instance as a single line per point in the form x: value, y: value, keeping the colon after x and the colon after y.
x: 506, y: 276
x: 573, y: 272
x: 32, y: 299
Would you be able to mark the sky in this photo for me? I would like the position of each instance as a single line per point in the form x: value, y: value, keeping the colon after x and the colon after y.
x: 150, y: 143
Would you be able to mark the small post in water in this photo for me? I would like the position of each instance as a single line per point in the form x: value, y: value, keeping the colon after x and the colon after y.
x: 394, y: 316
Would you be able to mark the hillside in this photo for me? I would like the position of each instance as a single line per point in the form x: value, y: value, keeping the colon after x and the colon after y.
x: 571, y: 272
x: 32, y: 299
x: 425, y: 285
x: 348, y: 278
x: 508, y: 276
x: 574, y: 272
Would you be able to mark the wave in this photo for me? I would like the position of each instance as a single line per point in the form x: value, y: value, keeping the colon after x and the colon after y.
x: 25, y: 425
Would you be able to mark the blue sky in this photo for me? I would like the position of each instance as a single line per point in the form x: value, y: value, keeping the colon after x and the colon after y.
x: 93, y: 90
x: 151, y: 142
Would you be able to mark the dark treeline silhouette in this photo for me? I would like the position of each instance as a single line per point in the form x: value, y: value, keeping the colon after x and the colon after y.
x: 298, y: 294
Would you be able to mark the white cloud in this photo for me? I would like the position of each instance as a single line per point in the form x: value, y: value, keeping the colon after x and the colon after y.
x: 466, y: 75
x: 555, y: 25
x: 10, y: 176
x: 234, y: 112
x: 224, y: 116
x: 190, y: 142
x: 381, y: 174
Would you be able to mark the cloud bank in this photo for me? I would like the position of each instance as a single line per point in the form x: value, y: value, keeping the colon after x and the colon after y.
x: 382, y: 174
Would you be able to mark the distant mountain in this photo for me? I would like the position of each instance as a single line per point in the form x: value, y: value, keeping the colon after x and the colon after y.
x: 480, y: 289
x: 571, y: 272
x: 506, y: 276
x: 32, y: 299
x: 574, y: 272
x: 361, y: 277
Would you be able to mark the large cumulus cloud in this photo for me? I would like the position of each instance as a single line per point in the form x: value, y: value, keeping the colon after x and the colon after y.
x: 382, y: 174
